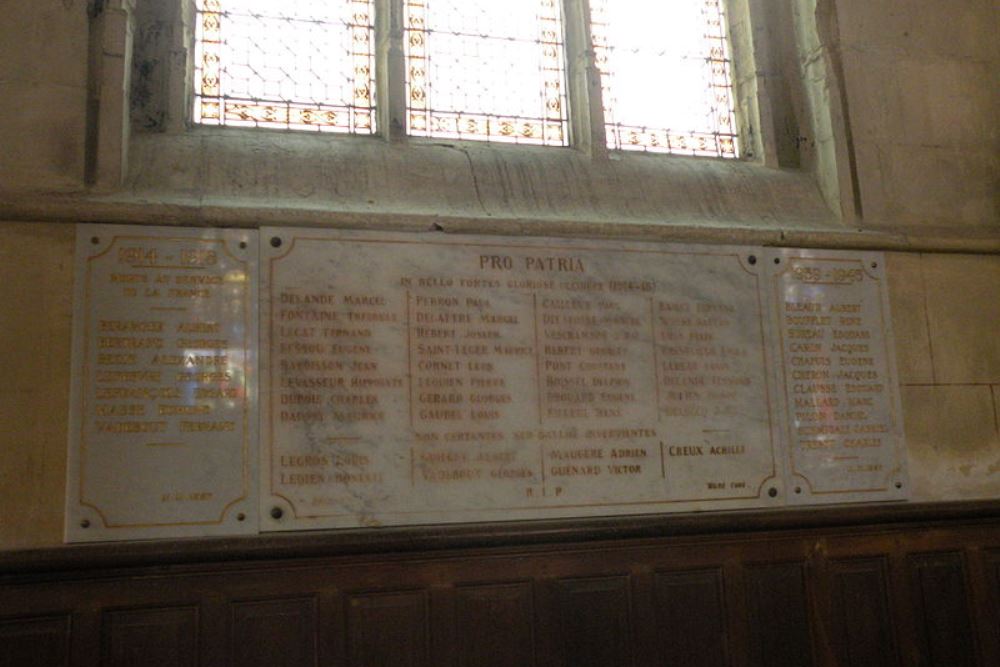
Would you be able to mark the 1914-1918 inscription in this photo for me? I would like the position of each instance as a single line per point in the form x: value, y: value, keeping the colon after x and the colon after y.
x: 163, y: 419
x: 465, y: 379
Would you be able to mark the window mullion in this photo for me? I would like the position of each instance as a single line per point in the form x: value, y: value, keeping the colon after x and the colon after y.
x: 587, y: 130
x: 180, y: 73
x: 390, y: 72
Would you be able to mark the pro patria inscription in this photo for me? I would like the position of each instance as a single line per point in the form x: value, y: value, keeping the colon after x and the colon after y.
x: 162, y: 427
x: 412, y: 380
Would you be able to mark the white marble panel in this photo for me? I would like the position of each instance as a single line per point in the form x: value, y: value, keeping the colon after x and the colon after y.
x: 163, y: 421
x: 432, y: 378
x: 839, y: 395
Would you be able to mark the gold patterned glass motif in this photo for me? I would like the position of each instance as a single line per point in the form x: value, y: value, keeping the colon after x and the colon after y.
x: 294, y: 64
x: 490, y: 71
x: 665, y: 76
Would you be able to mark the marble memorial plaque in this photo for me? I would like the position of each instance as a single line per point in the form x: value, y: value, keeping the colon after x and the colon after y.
x: 428, y: 378
x: 840, y: 399
x: 163, y: 422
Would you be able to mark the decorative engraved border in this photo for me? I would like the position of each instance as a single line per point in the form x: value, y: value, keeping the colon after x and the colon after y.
x: 890, y: 380
x: 85, y: 371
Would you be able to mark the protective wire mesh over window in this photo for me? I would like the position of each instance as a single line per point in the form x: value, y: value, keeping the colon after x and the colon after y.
x: 486, y: 70
x: 294, y: 64
x: 665, y: 76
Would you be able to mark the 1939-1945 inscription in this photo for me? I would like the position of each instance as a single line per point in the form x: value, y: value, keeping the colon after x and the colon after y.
x: 841, y: 424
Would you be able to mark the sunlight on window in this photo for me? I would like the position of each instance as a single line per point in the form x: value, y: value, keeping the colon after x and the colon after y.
x: 665, y: 76
x: 486, y: 70
x: 294, y: 64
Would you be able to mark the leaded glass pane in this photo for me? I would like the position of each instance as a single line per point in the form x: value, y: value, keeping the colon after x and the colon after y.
x: 486, y: 70
x: 665, y: 76
x: 294, y: 64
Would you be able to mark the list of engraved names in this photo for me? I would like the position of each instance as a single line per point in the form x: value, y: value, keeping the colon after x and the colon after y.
x: 163, y: 434
x: 842, y: 423
x: 462, y: 380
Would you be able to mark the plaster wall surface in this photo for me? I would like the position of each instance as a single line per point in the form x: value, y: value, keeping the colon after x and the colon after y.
x: 43, y: 117
x: 912, y: 86
x: 923, y: 85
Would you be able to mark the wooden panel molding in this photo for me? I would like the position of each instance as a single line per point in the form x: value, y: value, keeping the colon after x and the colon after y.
x: 388, y: 629
x: 691, y: 618
x: 274, y: 633
x: 862, y: 627
x: 165, y: 637
x: 27, y: 642
x: 594, y: 622
x: 923, y: 589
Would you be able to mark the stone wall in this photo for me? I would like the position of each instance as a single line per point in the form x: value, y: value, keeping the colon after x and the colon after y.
x: 909, y: 99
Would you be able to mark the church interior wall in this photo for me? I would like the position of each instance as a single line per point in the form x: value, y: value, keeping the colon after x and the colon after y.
x: 904, y: 160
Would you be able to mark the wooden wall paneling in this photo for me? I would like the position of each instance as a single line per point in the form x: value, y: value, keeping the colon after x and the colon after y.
x: 820, y: 596
x: 902, y: 608
x: 548, y: 623
x: 778, y: 616
x: 85, y: 639
x: 941, y: 604
x: 983, y: 587
x: 595, y: 622
x: 215, y: 629
x: 696, y: 555
x: 331, y: 627
x: 816, y: 580
x: 643, y: 617
x: 443, y: 626
x: 690, y: 613
x: 860, y: 621
x: 494, y: 625
x: 991, y: 578
x: 735, y: 600
x: 993, y: 564
x: 150, y: 637
x: 388, y: 629
x: 274, y: 633
x: 35, y: 641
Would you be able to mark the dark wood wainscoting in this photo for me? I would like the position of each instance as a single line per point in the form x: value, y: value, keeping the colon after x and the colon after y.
x: 910, y: 585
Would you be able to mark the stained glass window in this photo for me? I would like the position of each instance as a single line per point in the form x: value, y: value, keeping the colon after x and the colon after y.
x: 665, y: 76
x: 294, y: 64
x: 486, y: 70
x: 474, y: 69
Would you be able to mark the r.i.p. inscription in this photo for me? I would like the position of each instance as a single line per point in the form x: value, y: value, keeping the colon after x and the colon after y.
x: 437, y: 379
